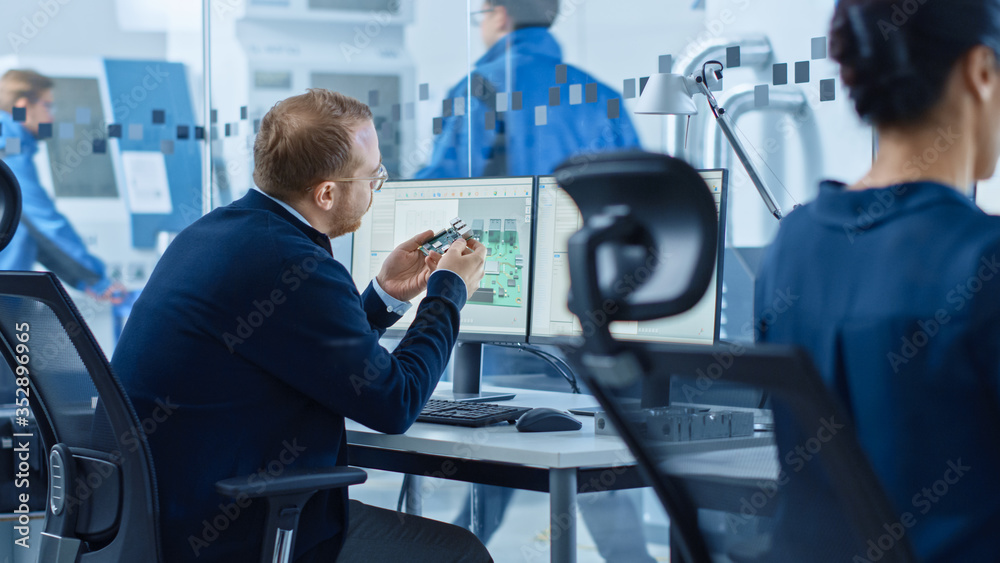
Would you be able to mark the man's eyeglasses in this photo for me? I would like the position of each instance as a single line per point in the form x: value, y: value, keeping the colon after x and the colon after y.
x: 477, y: 17
x: 376, y: 181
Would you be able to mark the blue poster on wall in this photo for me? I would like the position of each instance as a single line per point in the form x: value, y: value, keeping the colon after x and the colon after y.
x: 160, y: 150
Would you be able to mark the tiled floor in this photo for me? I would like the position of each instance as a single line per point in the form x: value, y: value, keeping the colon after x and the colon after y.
x: 522, y: 537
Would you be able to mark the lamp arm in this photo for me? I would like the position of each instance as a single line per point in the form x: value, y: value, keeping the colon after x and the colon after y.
x: 726, y: 124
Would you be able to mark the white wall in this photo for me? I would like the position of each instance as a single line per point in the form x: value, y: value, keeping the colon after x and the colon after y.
x: 80, y: 28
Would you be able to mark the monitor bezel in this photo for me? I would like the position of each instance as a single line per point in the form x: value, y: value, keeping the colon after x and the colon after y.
x: 488, y: 337
x: 550, y: 340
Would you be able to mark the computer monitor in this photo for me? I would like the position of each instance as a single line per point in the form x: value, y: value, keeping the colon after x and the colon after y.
x: 499, y: 212
x: 558, y: 218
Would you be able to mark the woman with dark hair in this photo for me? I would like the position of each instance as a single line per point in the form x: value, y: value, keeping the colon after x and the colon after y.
x: 897, y: 276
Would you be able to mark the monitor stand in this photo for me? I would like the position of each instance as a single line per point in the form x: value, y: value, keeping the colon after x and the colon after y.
x: 468, y: 375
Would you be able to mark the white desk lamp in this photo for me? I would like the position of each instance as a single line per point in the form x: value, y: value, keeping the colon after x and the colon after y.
x: 673, y: 94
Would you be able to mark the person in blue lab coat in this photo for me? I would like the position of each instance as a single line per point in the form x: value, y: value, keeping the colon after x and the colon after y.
x: 258, y: 343
x: 896, y: 277
x: 45, y: 235
x: 524, y: 133
x: 527, y: 115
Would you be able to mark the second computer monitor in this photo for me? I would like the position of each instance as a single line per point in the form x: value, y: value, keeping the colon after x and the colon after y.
x: 499, y: 213
x: 558, y: 219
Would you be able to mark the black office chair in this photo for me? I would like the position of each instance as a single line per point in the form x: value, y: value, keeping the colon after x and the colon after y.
x: 102, y: 499
x: 754, y: 498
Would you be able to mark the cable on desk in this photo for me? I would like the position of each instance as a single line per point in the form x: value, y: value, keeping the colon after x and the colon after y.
x: 555, y: 361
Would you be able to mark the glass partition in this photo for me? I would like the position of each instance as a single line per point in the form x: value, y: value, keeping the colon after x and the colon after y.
x: 104, y: 137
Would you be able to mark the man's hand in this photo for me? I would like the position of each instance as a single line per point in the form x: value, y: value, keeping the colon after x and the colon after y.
x: 114, y: 294
x: 404, y: 273
x: 466, y: 258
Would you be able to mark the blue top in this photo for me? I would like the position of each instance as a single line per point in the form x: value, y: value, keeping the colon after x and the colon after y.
x: 45, y: 235
x: 532, y: 55
x: 246, y: 351
x: 895, y: 292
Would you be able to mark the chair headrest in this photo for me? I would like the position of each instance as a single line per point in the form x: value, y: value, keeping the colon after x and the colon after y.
x: 648, y: 245
x: 10, y: 205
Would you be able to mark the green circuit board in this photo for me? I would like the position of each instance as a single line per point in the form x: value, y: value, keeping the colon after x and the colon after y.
x: 504, y: 283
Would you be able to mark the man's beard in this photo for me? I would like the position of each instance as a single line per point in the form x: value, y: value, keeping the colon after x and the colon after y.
x: 354, y: 226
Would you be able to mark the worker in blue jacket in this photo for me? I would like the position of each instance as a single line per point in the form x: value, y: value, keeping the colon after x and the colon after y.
x: 527, y: 113
x: 45, y: 235
x: 892, y: 283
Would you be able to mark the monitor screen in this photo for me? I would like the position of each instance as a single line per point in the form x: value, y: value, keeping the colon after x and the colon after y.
x: 558, y: 219
x: 499, y: 213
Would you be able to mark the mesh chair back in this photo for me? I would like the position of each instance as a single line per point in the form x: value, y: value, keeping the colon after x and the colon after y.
x: 79, y: 404
x: 796, y: 488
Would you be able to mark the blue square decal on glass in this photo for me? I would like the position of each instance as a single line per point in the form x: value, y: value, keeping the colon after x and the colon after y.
x: 666, y: 64
x: 818, y: 48
x: 628, y: 88
x: 159, y: 117
x: 20, y: 114
x: 44, y: 130
x: 828, y: 90
x: 554, y: 96
x: 780, y: 72
x: 561, y: 74
x: 517, y: 101
x: 183, y: 132
x: 614, y: 108
x: 733, y: 58
x: 802, y: 72
x: 100, y: 146
x: 115, y: 130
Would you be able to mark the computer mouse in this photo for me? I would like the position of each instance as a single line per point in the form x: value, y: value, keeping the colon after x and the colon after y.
x: 545, y: 419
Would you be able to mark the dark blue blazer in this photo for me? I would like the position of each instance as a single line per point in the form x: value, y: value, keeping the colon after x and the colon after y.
x: 895, y: 292
x: 245, y: 353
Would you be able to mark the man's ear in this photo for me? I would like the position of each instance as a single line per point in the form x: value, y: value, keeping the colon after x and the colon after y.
x: 324, y: 195
x: 21, y: 102
x: 503, y: 18
x: 981, y: 72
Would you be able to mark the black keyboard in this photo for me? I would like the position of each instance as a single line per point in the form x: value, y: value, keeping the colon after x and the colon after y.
x: 468, y: 414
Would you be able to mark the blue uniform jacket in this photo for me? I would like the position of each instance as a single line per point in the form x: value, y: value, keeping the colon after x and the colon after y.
x: 532, y: 55
x: 44, y: 235
x: 895, y: 292
x: 246, y: 351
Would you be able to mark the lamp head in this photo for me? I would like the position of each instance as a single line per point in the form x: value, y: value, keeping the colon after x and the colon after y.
x: 668, y: 94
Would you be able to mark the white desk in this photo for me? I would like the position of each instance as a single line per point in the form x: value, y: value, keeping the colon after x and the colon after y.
x: 560, y: 463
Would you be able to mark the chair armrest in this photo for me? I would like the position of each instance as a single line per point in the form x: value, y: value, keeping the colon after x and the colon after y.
x: 293, y: 482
